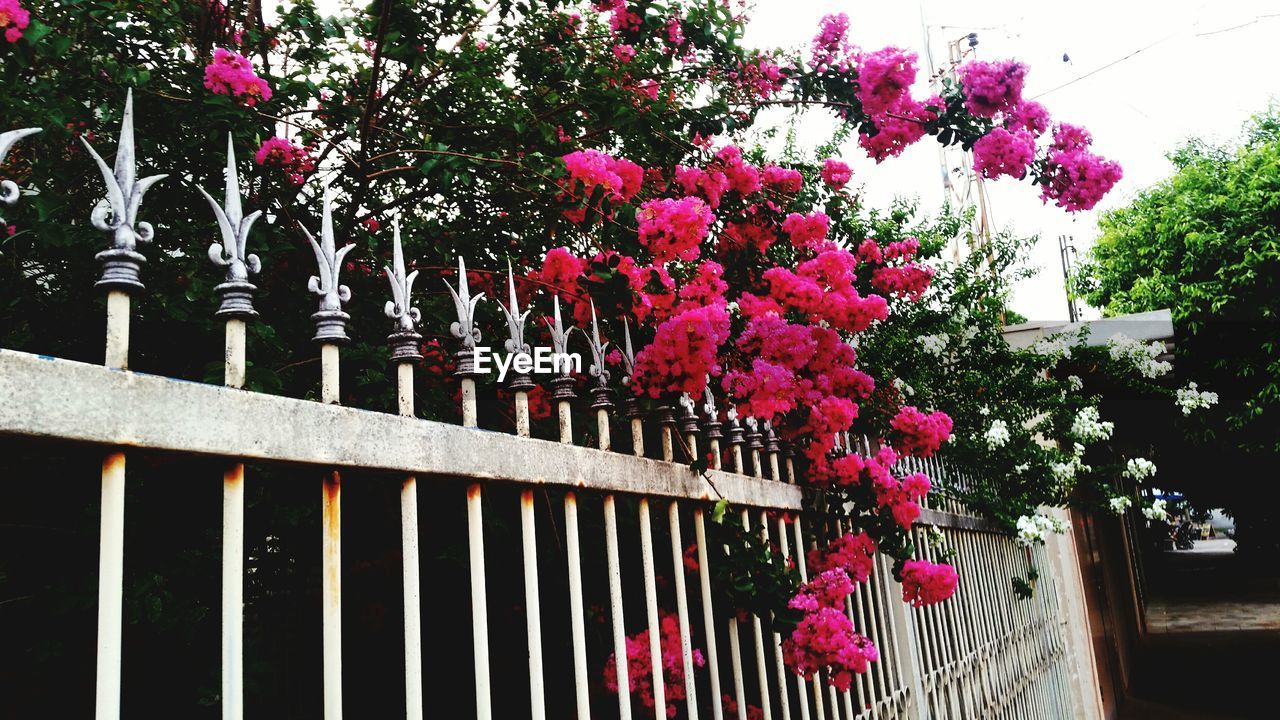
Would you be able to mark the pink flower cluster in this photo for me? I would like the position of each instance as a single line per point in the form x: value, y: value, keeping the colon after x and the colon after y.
x: 926, y: 583
x: 620, y: 17
x: 831, y: 48
x: 835, y: 173
x: 1028, y: 115
x: 992, y: 87
x: 854, y: 554
x: 13, y: 20
x: 762, y: 76
x: 1077, y: 179
x: 619, y: 178
x: 640, y: 666
x: 884, y: 77
x: 805, y: 230
x: 232, y: 74
x: 683, y: 353
x: 919, y: 434
x: 296, y: 160
x: 900, y: 126
x: 825, y: 638
x: 783, y: 179
x: 909, y: 280
x: 822, y: 288
x: 1001, y: 152
x: 671, y: 228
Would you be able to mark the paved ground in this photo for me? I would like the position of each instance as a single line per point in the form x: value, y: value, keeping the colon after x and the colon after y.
x: 1214, y: 637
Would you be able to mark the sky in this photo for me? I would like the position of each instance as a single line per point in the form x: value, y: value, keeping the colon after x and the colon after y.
x: 1200, y: 70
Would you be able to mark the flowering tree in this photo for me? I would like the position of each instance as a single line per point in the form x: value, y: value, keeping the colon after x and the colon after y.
x: 595, y: 149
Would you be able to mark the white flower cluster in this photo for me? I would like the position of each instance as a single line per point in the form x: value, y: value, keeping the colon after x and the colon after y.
x: 903, y: 387
x: 1139, y: 469
x: 1192, y: 398
x: 1089, y: 427
x: 997, y: 435
x: 1120, y: 504
x: 1157, y: 511
x: 1059, y: 345
x: 1066, y: 471
x: 1142, y: 357
x: 1075, y: 382
x: 934, y: 344
x: 1034, y: 528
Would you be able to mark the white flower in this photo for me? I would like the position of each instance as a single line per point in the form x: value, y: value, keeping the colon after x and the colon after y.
x: 1141, y: 357
x: 1059, y: 346
x: 997, y: 435
x: 903, y: 387
x: 1120, y: 504
x: 1088, y: 427
x: 1021, y: 468
x: 934, y: 344
x: 1034, y: 528
x: 1063, y: 471
x: 1139, y: 469
x: 1075, y: 382
x: 1156, y: 511
x: 1191, y: 398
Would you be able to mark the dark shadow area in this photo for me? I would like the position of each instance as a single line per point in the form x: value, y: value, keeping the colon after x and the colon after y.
x: 1213, y: 622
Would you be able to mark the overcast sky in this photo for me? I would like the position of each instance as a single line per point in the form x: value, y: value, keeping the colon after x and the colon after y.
x: 1205, y: 69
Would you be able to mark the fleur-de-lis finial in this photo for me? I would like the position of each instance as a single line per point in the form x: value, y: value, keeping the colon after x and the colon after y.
x: 464, y: 328
x: 405, y: 338
x: 628, y: 354
x: 712, y: 423
x: 9, y: 191
x: 515, y: 319
x: 331, y: 321
x: 237, y: 291
x: 562, y: 384
x: 117, y: 213
x: 598, y: 369
x: 559, y: 334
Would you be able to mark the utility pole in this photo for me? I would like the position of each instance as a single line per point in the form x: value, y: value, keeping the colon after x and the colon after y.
x: 1067, y: 252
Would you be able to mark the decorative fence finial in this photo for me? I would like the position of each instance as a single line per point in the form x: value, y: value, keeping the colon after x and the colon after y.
x: 712, y: 423
x: 331, y: 321
x: 771, y: 443
x: 735, y: 427
x: 405, y: 338
x: 753, y: 434
x: 515, y: 327
x: 117, y: 213
x: 562, y: 384
x: 630, y: 403
x: 689, y: 418
x: 9, y: 191
x: 465, y: 328
x: 237, y: 292
x: 600, y: 394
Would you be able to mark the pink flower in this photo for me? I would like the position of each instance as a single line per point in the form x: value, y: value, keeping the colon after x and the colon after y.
x: 853, y: 554
x: 1029, y: 115
x: 830, y: 48
x: 992, y: 87
x: 640, y: 672
x: 624, y: 53
x: 671, y: 228
x: 926, y: 583
x: 232, y: 74
x: 898, y: 128
x: 806, y: 229
x: 1071, y: 137
x: 920, y: 434
x: 295, y: 160
x: 825, y: 640
x: 784, y: 179
x: 910, y: 280
x: 620, y: 178
x: 1001, y: 152
x: 884, y: 77
x: 561, y: 268
x: 762, y: 76
x: 1078, y: 179
x: 683, y: 353
x: 13, y: 20
x: 835, y: 173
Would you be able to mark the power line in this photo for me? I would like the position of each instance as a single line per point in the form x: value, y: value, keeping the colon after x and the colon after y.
x: 1113, y: 63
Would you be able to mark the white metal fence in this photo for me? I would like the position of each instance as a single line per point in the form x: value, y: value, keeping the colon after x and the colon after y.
x: 982, y: 654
